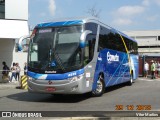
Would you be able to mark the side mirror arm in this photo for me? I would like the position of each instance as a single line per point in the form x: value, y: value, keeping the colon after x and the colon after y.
x: 83, y: 38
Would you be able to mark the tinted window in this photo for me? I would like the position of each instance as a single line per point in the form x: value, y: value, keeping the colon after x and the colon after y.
x: 92, y: 27
x: 90, y: 42
x: 131, y: 45
x: 56, y: 49
x: 89, y: 48
x: 111, y: 40
x: 2, y: 9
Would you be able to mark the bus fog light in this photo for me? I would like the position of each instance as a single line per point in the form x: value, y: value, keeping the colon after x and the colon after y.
x: 74, y: 88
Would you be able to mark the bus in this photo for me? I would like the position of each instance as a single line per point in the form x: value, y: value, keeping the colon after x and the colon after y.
x: 79, y: 56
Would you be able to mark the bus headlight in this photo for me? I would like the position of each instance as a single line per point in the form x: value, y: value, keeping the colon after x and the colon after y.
x: 76, y: 78
x: 30, y: 78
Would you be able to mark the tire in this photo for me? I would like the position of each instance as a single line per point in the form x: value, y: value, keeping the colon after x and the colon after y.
x: 130, y: 81
x: 57, y: 95
x: 100, y: 88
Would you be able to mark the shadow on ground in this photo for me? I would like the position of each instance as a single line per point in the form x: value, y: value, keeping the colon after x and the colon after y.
x: 49, y: 98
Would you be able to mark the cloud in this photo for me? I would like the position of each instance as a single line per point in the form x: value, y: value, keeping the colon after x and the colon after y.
x: 146, y: 2
x: 129, y: 14
x: 150, y: 2
x: 52, y: 7
x: 157, y: 2
x: 122, y: 21
x: 129, y: 11
x: 124, y: 15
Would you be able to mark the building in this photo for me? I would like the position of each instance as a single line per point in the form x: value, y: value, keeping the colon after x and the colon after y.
x: 148, y: 46
x: 13, y: 25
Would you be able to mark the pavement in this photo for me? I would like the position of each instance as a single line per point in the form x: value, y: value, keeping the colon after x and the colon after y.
x: 7, y: 85
x: 15, y: 84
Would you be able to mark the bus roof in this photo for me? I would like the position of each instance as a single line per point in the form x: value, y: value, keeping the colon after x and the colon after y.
x: 78, y: 21
x: 66, y: 22
x: 59, y: 23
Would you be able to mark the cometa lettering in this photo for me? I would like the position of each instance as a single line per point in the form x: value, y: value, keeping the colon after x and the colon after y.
x: 114, y: 58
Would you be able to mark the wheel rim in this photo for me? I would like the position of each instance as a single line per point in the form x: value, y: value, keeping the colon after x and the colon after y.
x: 131, y: 80
x: 99, y: 86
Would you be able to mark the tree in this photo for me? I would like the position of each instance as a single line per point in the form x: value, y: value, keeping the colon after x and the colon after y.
x: 94, y: 12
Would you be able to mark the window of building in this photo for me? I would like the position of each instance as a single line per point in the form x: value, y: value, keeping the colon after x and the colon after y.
x: 2, y: 9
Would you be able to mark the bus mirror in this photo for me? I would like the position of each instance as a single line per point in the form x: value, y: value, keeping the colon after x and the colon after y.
x: 20, y: 42
x: 83, y: 38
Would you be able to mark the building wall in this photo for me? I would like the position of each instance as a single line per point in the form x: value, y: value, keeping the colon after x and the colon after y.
x: 6, y: 52
x: 12, y: 27
x: 16, y: 9
x: 9, y: 54
x: 148, y: 41
x: 145, y: 38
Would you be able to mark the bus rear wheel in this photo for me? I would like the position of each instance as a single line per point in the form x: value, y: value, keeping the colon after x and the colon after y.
x: 100, y: 88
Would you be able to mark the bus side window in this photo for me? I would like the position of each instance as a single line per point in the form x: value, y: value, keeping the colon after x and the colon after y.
x: 86, y: 53
x: 104, y: 39
x: 89, y: 47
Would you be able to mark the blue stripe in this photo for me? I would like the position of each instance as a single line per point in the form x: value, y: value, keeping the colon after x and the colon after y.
x: 116, y: 70
x: 64, y: 23
x: 55, y: 76
x: 121, y: 76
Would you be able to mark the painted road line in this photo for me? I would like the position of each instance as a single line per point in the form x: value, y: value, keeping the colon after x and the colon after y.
x: 145, y: 80
x: 149, y: 80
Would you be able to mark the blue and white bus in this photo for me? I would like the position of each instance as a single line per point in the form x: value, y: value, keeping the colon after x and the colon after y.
x: 80, y: 56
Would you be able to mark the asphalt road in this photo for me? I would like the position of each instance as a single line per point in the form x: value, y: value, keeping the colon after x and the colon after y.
x: 143, y: 93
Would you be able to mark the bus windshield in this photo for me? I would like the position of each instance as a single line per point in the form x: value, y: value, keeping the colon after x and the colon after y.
x: 55, y: 50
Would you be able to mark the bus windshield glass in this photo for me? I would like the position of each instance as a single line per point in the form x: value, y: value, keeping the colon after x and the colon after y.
x: 55, y: 50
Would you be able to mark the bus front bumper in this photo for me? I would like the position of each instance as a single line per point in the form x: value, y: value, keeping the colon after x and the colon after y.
x: 77, y: 86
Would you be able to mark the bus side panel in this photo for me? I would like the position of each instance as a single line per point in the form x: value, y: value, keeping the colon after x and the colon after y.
x: 135, y: 65
x: 117, y: 69
x: 114, y: 65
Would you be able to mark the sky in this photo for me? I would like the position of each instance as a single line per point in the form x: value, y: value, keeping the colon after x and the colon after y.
x: 123, y: 15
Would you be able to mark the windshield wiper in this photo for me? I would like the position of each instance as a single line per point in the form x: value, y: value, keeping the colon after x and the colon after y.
x: 45, y: 65
x: 48, y: 63
x: 58, y: 60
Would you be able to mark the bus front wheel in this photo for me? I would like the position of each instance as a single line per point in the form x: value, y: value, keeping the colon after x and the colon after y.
x: 100, y: 88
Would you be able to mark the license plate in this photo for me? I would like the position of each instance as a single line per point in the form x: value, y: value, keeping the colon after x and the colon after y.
x: 50, y: 89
